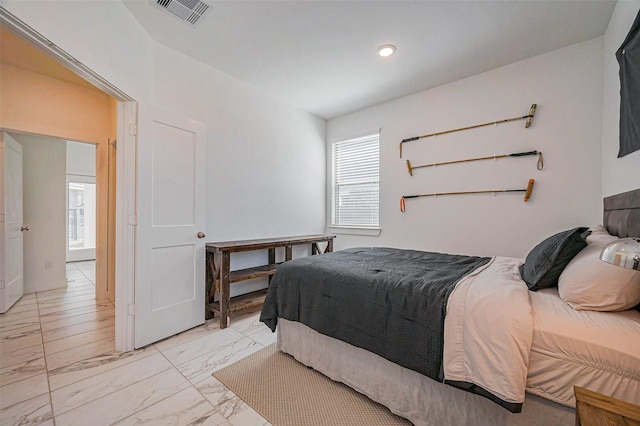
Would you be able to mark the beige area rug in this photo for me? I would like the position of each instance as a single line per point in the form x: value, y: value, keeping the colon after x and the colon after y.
x: 287, y: 393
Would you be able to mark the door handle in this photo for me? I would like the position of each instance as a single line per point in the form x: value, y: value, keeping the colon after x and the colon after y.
x: 24, y: 228
x: 201, y: 235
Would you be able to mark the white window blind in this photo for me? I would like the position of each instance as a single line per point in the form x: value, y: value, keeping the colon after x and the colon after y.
x: 356, y: 182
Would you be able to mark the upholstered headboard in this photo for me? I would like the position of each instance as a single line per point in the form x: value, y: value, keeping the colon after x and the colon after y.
x: 622, y: 214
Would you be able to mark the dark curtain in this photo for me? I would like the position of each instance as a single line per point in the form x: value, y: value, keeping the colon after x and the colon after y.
x: 628, y: 56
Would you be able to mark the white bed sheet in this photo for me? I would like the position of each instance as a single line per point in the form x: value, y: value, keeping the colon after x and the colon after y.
x: 595, y: 350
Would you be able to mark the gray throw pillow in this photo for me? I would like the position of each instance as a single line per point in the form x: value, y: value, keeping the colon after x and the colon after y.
x: 545, y: 262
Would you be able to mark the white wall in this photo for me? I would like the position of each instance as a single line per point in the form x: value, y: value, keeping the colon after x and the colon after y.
x: 567, y: 86
x: 81, y: 159
x: 618, y: 174
x: 44, y: 180
x: 265, y: 159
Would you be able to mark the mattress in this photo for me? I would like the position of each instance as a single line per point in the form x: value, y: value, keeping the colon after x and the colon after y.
x: 596, y: 350
x: 392, y: 302
x: 388, y: 301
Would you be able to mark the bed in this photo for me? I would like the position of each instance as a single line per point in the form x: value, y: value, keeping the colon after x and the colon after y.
x: 505, y: 348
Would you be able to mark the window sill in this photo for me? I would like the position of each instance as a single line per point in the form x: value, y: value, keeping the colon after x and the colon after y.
x: 372, y: 232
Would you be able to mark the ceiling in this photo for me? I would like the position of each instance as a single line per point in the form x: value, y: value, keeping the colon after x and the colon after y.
x: 320, y: 56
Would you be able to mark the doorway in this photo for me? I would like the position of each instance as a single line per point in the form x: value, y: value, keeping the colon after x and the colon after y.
x: 117, y: 203
x: 81, y: 202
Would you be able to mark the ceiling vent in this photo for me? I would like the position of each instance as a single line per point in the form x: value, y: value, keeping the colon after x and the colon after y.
x: 189, y: 11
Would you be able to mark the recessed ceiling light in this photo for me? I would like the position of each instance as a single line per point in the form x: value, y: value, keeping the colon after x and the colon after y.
x: 386, y: 50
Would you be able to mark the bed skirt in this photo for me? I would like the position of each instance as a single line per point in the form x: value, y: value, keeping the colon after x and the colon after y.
x: 406, y: 393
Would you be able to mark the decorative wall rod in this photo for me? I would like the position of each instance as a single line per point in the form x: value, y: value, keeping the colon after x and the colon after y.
x: 528, y: 190
x: 528, y: 117
x: 540, y: 164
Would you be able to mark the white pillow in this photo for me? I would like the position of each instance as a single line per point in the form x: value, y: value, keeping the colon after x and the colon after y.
x: 599, y: 234
x: 587, y: 283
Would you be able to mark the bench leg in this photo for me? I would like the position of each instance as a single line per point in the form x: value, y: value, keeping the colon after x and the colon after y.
x: 225, y: 310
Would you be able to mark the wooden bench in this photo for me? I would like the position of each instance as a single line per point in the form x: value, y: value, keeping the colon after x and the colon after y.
x: 595, y: 409
x: 218, y: 260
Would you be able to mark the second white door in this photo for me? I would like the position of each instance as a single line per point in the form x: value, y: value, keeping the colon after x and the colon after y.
x: 11, y: 278
x: 170, y: 250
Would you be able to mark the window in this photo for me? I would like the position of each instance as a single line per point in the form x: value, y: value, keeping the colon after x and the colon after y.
x: 82, y: 201
x: 81, y: 218
x: 356, y: 182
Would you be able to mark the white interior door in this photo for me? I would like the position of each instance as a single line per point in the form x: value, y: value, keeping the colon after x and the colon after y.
x: 12, y: 282
x: 170, y: 274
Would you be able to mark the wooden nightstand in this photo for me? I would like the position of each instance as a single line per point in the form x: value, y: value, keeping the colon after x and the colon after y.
x: 595, y: 409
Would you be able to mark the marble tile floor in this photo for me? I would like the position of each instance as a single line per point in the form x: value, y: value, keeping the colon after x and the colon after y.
x: 58, y: 365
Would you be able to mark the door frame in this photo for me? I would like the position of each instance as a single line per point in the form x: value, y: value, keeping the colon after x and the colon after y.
x: 126, y: 168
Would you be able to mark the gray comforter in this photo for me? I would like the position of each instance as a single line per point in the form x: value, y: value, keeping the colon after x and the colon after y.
x: 388, y: 301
